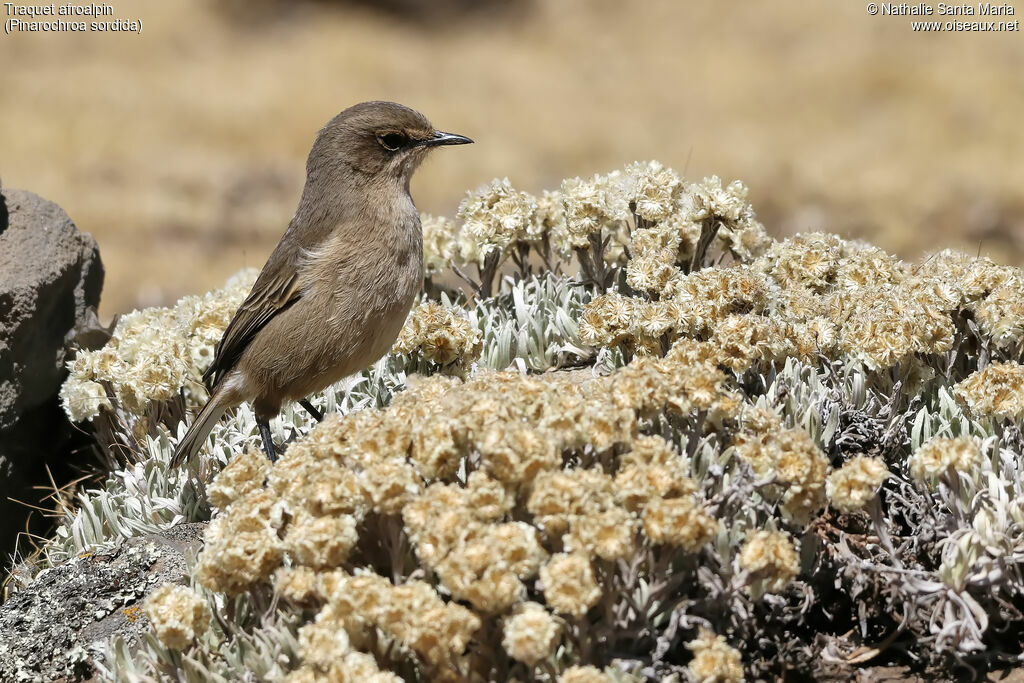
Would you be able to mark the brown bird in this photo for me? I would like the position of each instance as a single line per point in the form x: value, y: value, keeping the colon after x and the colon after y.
x: 336, y: 290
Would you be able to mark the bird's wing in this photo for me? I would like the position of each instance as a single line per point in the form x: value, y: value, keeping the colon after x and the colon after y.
x: 276, y: 288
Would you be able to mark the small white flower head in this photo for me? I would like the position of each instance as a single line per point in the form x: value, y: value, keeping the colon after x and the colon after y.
x: 714, y: 660
x: 939, y: 456
x: 569, y: 584
x: 653, y: 189
x: 646, y: 241
x: 708, y: 200
x: 531, y: 634
x: 440, y: 333
x: 652, y: 271
x: 1000, y: 314
x: 494, y: 217
x: 592, y: 205
x: 550, y: 218
x: 152, y: 355
x: 584, y: 674
x: 177, y: 614
x: 771, y: 558
x: 82, y: 399
x: 855, y: 484
x: 245, y: 473
x: 747, y: 241
x: 438, y: 243
x: 996, y: 392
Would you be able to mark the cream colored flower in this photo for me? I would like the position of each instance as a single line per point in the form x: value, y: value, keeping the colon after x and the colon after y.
x: 1000, y: 314
x: 636, y: 485
x: 297, y: 584
x: 531, y: 634
x: 482, y: 563
x: 652, y: 271
x: 584, y: 674
x: 441, y: 334
x: 590, y: 206
x: 771, y: 557
x: 996, y: 392
x: 177, y: 614
x: 885, y: 325
x: 413, y: 614
x: 747, y: 241
x: 867, y: 266
x: 569, y: 584
x: 653, y: 189
x: 549, y: 221
x: 792, y: 458
x: 742, y: 341
x: 245, y: 473
x: 714, y: 660
x: 652, y: 240
x: 494, y: 217
x: 854, y: 484
x: 518, y: 454
x: 938, y: 456
x: 679, y: 522
x: 322, y: 643
x: 609, y: 534
x: 83, y: 399
x: 153, y: 355
x: 241, y: 547
x: 608, y: 319
x: 320, y: 542
x: 439, y: 243
x: 708, y: 199
x: 709, y: 296
x: 806, y: 261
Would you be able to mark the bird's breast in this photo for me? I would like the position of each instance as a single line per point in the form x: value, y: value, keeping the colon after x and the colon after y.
x: 367, y: 273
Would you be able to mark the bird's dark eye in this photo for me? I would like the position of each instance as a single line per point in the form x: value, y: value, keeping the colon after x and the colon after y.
x: 392, y: 141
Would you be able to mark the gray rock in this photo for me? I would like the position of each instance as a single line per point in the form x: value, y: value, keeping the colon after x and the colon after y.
x: 52, y: 629
x: 50, y: 274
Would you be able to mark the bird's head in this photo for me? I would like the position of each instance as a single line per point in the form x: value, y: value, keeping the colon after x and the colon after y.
x: 377, y: 140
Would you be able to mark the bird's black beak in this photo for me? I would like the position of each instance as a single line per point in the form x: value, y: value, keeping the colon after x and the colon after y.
x: 440, y: 138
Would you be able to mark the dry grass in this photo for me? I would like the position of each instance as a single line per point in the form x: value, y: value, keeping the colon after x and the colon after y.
x: 182, y: 149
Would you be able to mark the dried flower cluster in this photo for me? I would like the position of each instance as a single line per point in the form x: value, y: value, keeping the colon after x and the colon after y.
x: 651, y: 433
x: 645, y: 216
x: 439, y: 334
x: 855, y: 484
x: 493, y: 218
x: 940, y: 457
x: 995, y: 392
x: 400, y: 466
x: 153, y: 354
x: 788, y: 459
x: 516, y: 432
x: 772, y: 560
x: 714, y: 660
x: 809, y: 295
x: 177, y: 614
x: 531, y: 634
x: 358, y: 607
x: 150, y: 370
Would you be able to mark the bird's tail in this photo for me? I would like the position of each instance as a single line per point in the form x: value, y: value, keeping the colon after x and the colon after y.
x: 200, y: 428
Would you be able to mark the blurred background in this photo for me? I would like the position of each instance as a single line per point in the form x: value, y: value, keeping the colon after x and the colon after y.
x: 182, y: 149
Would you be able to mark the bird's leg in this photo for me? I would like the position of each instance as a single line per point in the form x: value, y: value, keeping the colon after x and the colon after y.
x: 268, y: 439
x: 311, y: 409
